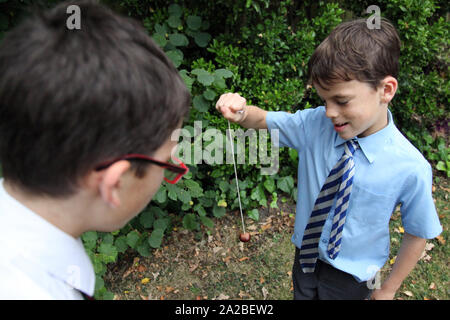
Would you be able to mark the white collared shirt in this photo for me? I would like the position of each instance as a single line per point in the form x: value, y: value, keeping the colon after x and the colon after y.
x: 38, y: 260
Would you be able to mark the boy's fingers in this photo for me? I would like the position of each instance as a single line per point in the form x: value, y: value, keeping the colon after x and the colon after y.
x: 220, y: 102
x: 223, y: 100
x: 232, y: 101
x: 231, y: 105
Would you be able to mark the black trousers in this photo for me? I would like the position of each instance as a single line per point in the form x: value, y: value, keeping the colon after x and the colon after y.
x: 326, y: 283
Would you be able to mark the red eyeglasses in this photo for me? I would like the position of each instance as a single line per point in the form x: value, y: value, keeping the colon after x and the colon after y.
x: 172, y: 174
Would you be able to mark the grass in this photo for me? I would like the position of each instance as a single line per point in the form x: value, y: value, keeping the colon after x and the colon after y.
x: 220, y: 267
x: 429, y: 279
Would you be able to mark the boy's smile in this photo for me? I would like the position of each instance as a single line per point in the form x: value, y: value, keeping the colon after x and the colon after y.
x: 355, y: 108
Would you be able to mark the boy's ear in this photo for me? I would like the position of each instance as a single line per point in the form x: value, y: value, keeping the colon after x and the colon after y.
x: 389, y: 88
x: 108, y: 184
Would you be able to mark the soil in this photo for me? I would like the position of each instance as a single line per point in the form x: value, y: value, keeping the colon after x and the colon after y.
x: 215, y: 265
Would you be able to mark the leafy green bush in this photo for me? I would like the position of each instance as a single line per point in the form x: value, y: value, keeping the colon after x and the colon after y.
x: 260, y: 48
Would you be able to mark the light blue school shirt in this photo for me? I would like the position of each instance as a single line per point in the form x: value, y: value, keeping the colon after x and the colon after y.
x: 389, y: 170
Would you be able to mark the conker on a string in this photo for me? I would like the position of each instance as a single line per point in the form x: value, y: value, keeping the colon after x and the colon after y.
x: 244, y: 237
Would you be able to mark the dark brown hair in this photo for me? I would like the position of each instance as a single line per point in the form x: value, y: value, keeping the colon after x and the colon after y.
x: 352, y: 51
x: 71, y: 99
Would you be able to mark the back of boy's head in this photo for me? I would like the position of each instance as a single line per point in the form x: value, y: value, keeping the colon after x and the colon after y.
x: 71, y: 99
x: 352, y: 51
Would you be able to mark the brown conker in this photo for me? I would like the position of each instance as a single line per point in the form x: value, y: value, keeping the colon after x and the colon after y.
x: 244, y: 237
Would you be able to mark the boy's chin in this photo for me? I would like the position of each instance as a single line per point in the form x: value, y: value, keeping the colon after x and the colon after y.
x: 346, y: 136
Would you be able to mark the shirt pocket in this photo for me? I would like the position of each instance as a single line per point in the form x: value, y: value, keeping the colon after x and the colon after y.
x: 369, y: 213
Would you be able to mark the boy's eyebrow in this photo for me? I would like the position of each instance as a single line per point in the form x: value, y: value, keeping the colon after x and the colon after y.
x: 339, y: 96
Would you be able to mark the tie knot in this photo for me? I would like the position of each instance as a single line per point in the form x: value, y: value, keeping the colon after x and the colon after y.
x: 351, y: 146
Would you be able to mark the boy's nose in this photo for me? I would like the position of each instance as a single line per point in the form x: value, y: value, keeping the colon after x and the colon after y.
x: 331, y: 110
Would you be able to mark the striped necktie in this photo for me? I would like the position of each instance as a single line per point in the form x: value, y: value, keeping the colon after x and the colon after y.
x: 339, y: 181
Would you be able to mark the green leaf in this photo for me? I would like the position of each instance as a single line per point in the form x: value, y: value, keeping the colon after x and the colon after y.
x: 198, y: 71
x: 161, y: 223
x: 219, y: 82
x: 428, y: 138
x: 223, y: 73
x: 274, y: 204
x: 209, y: 94
x: 200, y: 210
x: 178, y: 39
x: 224, y: 186
x: 218, y: 212
x: 99, y: 267
x: 161, y: 195
x: 194, y: 22
x: 202, y: 39
x: 175, y: 10
x: 216, y: 173
x: 158, y: 212
x: 121, y: 244
x: 160, y: 39
x: 146, y: 219
x: 200, y: 104
x: 184, y: 196
x: 172, y: 191
x: 161, y: 29
x: 194, y: 188
x: 293, y: 154
x: 155, y: 238
x: 107, y: 237
x: 210, y: 194
x: 206, y: 202
x: 89, y: 239
x: 176, y: 56
x: 269, y: 184
x: 132, y: 238
x: 206, y: 79
x: 207, y: 222
x: 258, y: 195
x: 174, y: 21
x: 254, y: 214
x: 188, y: 81
x: 144, y: 249
x: 108, y: 251
x: 441, y: 166
x: 190, y: 222
x: 286, y: 184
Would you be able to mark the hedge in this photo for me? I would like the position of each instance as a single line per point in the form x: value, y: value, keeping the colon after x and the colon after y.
x: 260, y: 48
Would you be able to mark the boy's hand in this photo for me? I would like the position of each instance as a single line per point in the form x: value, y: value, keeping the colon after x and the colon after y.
x: 382, y: 294
x: 232, y: 106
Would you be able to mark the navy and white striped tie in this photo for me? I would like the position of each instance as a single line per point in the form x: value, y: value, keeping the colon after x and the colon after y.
x: 339, y: 181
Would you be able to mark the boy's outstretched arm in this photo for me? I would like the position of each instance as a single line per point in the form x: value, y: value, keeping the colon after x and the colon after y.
x: 234, y: 108
x: 410, y: 251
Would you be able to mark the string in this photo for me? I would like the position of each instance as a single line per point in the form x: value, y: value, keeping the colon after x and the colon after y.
x: 236, y: 177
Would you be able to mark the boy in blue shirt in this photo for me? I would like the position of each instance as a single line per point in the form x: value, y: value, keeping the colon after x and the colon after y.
x: 86, y: 118
x: 354, y: 168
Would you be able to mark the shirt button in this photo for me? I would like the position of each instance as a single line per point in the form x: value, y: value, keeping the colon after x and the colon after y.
x: 324, y: 240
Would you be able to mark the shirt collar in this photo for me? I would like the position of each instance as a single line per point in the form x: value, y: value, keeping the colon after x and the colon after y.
x: 371, y: 145
x: 55, y: 251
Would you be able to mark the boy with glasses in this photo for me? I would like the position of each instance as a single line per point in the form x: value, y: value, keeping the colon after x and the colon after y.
x: 86, y: 118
